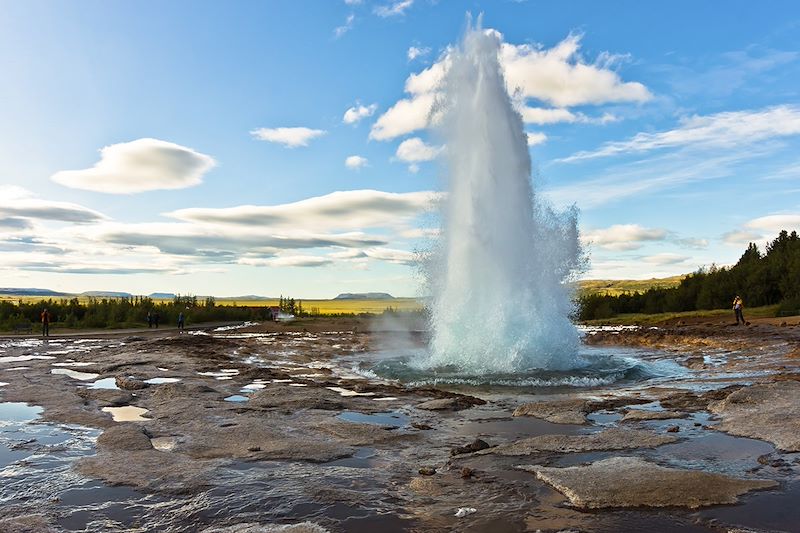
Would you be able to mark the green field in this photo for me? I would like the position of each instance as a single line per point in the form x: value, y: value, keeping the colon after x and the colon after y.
x: 614, y: 287
x: 335, y: 307
x: 641, y: 319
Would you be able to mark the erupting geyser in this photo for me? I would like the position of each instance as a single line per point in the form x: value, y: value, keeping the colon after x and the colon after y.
x: 499, y: 298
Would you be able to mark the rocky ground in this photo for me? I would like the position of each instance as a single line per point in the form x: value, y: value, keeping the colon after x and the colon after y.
x: 264, y: 429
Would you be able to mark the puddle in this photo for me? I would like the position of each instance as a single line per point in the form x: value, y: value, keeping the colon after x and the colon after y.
x: 105, y: 383
x: 390, y: 418
x: 74, y: 374
x: 348, y: 392
x: 127, y: 413
x: 362, y: 458
x: 3, y: 383
x: 21, y: 358
x: 222, y: 374
x: 256, y: 385
x: 18, y: 412
x: 236, y: 398
x: 604, y: 418
x: 298, y: 385
x: 74, y: 363
x: 159, y: 381
x: 386, y: 399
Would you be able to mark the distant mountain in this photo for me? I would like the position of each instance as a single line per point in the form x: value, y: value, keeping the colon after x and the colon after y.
x: 162, y: 295
x: 107, y: 294
x: 364, y: 296
x: 31, y: 292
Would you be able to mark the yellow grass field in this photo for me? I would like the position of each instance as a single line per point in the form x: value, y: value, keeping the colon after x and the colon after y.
x: 324, y: 307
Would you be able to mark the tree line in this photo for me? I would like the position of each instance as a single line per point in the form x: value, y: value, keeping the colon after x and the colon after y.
x: 761, y: 278
x: 123, y: 312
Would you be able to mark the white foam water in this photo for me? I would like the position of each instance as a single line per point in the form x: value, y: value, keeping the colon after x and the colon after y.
x: 499, y: 298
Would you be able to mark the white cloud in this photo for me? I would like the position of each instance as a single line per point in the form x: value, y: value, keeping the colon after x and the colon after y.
x: 561, y: 77
x: 622, y: 237
x: 727, y: 129
x: 557, y: 76
x: 358, y: 112
x: 414, y: 52
x: 344, y: 28
x: 291, y: 137
x: 536, y: 137
x: 395, y: 8
x: 140, y: 165
x: 19, y: 202
x: 415, y: 150
x: 355, y: 162
x: 762, y: 229
x: 391, y: 255
x: 287, y: 261
x: 338, y: 210
x: 553, y: 115
x: 665, y: 259
x: 353, y: 2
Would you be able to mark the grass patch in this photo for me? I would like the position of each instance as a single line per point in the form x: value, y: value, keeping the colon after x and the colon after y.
x: 641, y: 319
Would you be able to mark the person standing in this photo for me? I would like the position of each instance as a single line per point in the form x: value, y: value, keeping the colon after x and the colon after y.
x: 181, y: 321
x: 738, y: 306
x: 149, y: 319
x: 156, y: 319
x: 45, y: 323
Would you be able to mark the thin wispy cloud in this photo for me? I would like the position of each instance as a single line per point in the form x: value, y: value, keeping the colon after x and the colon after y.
x: 724, y: 129
x: 138, y: 166
x: 415, y: 52
x: 394, y: 9
x: 344, y: 28
x: 289, y: 137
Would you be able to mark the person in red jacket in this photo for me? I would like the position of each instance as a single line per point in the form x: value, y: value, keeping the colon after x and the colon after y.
x: 45, y: 323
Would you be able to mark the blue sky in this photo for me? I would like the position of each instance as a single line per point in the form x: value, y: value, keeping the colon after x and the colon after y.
x: 674, y: 128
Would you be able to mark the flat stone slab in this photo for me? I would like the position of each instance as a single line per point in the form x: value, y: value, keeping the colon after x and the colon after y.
x: 641, y: 414
x: 633, y: 482
x: 572, y: 411
x: 767, y: 412
x: 610, y: 439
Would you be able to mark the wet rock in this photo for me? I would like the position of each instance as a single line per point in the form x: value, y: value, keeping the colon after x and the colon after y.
x: 445, y: 404
x: 293, y: 400
x: 249, y: 527
x: 633, y: 482
x: 475, y: 446
x: 641, y: 414
x: 673, y: 429
x: 426, y: 486
x: 150, y: 470
x: 467, y: 472
x: 427, y: 471
x: 107, y: 397
x: 768, y: 412
x: 422, y: 427
x: 695, y: 363
x: 170, y: 391
x: 571, y: 411
x: 124, y: 437
x: 610, y: 439
x: 30, y: 523
x: 129, y: 383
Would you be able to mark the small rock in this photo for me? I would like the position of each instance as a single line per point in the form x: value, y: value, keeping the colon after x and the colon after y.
x: 128, y: 437
x: 254, y: 449
x: 423, y: 427
x: 129, y: 383
x: 475, y: 446
x: 784, y: 324
x: 467, y: 472
x: 427, y: 471
x: 763, y: 459
x: 673, y: 429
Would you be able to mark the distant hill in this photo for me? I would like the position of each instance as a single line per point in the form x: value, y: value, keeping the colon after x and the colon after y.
x: 247, y: 298
x: 107, y: 294
x: 614, y: 287
x: 162, y: 295
x: 31, y: 292
x: 364, y: 296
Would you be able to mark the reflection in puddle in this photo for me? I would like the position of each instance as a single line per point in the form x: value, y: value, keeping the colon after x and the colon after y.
x: 21, y: 358
x: 348, y: 392
x: 236, y: 398
x: 105, y: 383
x: 74, y: 374
x: 362, y: 458
x: 159, y: 381
x: 127, y: 413
x: 391, y: 418
x: 18, y: 412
